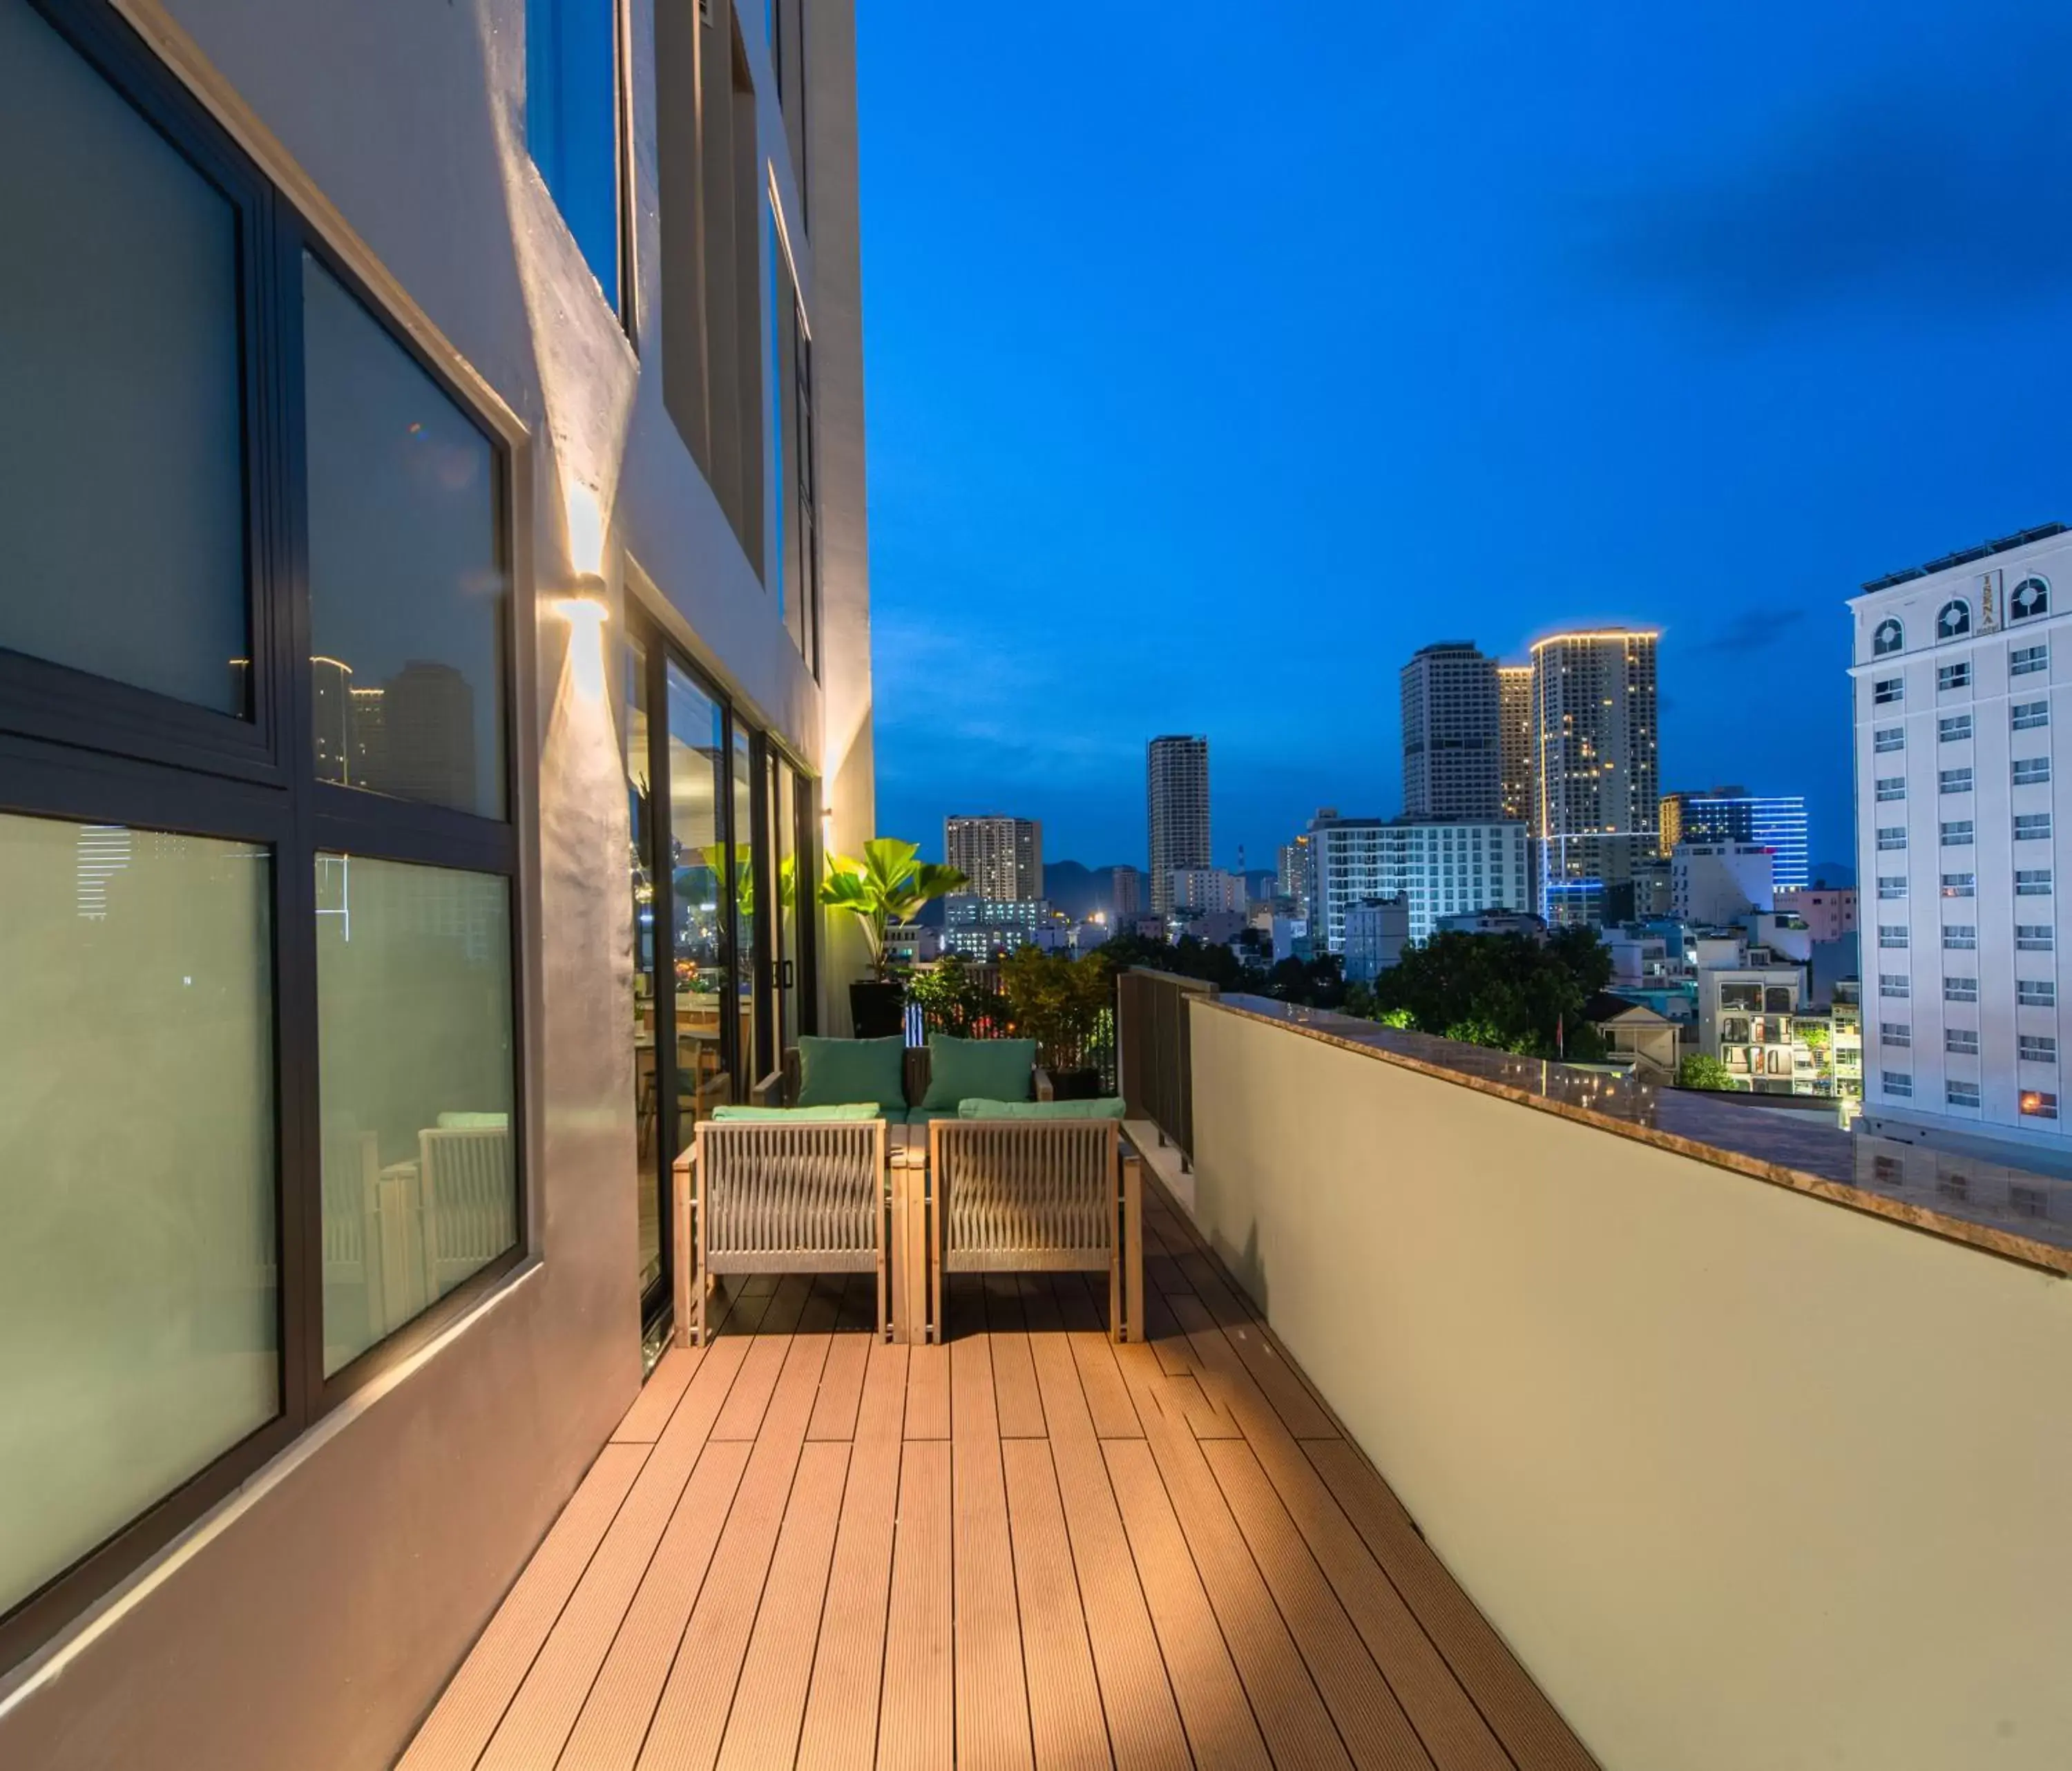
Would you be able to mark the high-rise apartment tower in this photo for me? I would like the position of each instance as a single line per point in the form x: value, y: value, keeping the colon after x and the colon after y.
x: 1002, y: 858
x: 1514, y: 714
x: 1597, y: 785
x: 1177, y: 793
x: 1452, y: 759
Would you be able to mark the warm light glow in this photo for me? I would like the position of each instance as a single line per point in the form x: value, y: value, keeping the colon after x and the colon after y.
x: 586, y: 616
x: 2030, y: 1100
x: 586, y: 515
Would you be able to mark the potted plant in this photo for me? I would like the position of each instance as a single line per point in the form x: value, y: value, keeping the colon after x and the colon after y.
x: 882, y: 890
x: 1062, y: 1004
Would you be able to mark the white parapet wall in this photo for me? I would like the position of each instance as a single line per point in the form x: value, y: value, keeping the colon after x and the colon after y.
x: 1747, y: 1478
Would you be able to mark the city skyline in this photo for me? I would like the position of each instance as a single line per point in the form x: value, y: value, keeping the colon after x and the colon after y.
x: 1708, y: 375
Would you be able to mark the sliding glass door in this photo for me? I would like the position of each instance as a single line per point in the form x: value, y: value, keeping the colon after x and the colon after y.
x: 721, y: 920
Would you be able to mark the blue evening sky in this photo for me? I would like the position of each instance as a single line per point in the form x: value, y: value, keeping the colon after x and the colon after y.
x: 1219, y: 355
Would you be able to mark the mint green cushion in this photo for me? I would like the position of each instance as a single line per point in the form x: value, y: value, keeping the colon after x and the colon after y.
x: 848, y: 1110
x: 474, y: 1122
x: 993, y: 1070
x: 834, y: 1072
x: 1108, y: 1107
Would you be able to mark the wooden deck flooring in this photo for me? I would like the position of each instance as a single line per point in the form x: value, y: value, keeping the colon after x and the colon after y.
x: 1028, y: 1547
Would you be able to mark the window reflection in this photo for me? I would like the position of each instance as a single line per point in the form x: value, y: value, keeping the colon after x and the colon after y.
x: 415, y: 1083
x: 138, y: 1276
x: 647, y: 1097
x: 701, y: 882
x: 407, y: 593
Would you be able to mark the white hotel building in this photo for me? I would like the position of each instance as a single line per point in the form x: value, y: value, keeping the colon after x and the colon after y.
x: 1959, y: 840
x: 1441, y: 867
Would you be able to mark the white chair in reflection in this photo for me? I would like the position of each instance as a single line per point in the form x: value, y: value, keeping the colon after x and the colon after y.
x: 373, y: 1238
x: 464, y: 1180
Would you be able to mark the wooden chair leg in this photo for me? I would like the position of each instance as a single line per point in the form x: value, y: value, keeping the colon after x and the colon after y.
x: 1130, y: 1256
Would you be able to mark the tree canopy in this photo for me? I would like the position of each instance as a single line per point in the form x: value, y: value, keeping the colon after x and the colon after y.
x: 1507, y: 991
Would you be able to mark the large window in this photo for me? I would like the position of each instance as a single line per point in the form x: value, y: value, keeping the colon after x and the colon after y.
x: 572, y: 124
x: 258, y: 1040
x: 796, y: 558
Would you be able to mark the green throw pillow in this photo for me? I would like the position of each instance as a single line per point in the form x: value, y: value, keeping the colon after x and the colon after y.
x: 848, y: 1110
x: 993, y: 1070
x: 1107, y: 1108
x: 834, y: 1072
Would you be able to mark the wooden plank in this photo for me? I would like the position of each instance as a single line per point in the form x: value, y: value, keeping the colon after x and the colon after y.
x: 1100, y: 1379
x: 473, y: 1702
x: 1371, y: 1721
x: 1444, y: 1714
x: 917, y: 1726
x: 1065, y: 1719
x: 822, y: 1308
x: 742, y: 1417
x: 992, y: 1694
x: 1284, y: 1386
x: 1205, y: 1682
x: 1298, y: 1729
x: 659, y: 1396
x: 1180, y: 1400
x: 770, y: 1699
x: 841, y: 1388
x: 1144, y: 1725
x: 608, y: 1733
x: 684, y: 1734
x: 536, y: 1726
x: 928, y: 1393
x: 840, y: 1728
x: 1040, y: 1313
x: 1021, y: 1408
x: 1529, y: 1726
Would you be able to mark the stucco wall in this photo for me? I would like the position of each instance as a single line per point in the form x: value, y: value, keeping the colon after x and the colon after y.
x: 1744, y: 1478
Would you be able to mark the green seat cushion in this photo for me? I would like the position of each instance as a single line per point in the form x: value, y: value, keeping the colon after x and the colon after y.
x: 993, y: 1070
x: 846, y: 1110
x: 834, y: 1072
x: 1108, y: 1107
x: 474, y: 1122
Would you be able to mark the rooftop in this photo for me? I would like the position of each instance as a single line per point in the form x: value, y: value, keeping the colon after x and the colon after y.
x: 1984, y: 550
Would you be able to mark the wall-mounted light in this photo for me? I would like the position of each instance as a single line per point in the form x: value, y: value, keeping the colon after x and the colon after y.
x: 586, y: 608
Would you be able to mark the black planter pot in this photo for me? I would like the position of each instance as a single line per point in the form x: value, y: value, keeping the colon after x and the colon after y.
x: 877, y: 1009
x: 1075, y: 1085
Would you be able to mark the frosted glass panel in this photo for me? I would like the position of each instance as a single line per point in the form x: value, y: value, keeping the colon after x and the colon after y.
x: 406, y: 595
x: 138, y: 1276
x: 122, y: 463
x: 414, y: 1076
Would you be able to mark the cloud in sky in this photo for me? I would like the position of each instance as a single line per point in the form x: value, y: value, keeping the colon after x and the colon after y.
x: 1949, y: 191
x: 1753, y: 630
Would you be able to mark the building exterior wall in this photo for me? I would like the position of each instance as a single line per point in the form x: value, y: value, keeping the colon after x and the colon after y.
x: 1177, y: 793
x: 1731, y: 815
x: 1715, y: 882
x: 1376, y: 934
x: 1829, y: 911
x: 1942, y: 1019
x: 1002, y: 858
x: 1438, y: 867
x: 1595, y: 766
x: 312, y: 1616
x: 1451, y: 745
x: 1514, y: 700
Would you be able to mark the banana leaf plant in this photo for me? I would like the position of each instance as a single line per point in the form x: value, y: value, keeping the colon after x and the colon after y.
x: 885, y: 888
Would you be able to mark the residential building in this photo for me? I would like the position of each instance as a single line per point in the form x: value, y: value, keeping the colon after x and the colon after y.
x: 1292, y: 877
x: 1733, y: 814
x: 1746, y: 1011
x: 1177, y: 793
x: 1452, y: 753
x: 1207, y: 889
x: 1376, y: 934
x: 1513, y: 707
x: 1829, y: 911
x: 1718, y: 882
x: 979, y: 927
x: 1526, y: 922
x: 1632, y: 1030
x: 1595, y: 767
x: 1443, y: 868
x: 1126, y: 893
x: 1000, y: 857
x: 361, y: 995
x: 1960, y: 843
x: 1845, y: 1017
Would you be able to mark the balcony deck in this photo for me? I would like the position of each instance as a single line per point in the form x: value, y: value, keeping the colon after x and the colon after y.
x: 1028, y: 1547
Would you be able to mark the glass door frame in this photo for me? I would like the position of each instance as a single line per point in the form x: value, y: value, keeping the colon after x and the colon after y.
x: 658, y: 654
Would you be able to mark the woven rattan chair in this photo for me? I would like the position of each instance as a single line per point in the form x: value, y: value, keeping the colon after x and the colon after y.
x: 778, y: 1197
x: 1027, y: 1196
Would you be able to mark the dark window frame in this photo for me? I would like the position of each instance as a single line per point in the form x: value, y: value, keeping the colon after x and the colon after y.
x: 80, y: 748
